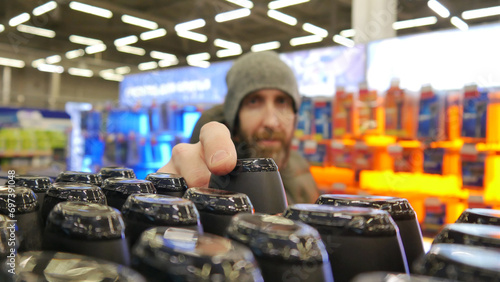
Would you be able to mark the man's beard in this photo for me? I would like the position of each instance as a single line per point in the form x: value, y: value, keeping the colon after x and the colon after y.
x: 247, y: 146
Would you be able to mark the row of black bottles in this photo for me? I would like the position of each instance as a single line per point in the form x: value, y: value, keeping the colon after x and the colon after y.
x: 126, y: 229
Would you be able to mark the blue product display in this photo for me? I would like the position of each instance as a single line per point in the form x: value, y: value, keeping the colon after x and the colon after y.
x: 317, y: 157
x: 433, y: 160
x: 473, y: 171
x: 305, y: 116
x: 428, y: 117
x: 323, y: 119
x: 474, y: 114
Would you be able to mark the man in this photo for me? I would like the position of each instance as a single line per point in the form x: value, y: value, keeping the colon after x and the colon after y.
x: 259, y: 115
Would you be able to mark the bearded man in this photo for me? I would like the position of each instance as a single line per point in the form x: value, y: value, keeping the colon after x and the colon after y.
x: 257, y: 120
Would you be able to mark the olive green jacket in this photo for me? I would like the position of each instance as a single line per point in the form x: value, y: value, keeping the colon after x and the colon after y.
x: 298, y: 181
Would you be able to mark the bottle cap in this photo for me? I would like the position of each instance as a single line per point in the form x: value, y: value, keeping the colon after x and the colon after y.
x: 109, y: 171
x: 123, y: 187
x: 254, y: 165
x: 167, y: 182
x: 219, y: 201
x: 77, y: 192
x: 39, y: 184
x: 470, y: 234
x: 480, y: 216
x: 79, y: 177
x: 24, y: 200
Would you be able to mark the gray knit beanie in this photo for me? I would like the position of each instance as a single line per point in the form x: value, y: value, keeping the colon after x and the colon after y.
x: 256, y: 71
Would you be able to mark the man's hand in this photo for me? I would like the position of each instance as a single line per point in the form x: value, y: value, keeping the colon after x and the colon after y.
x: 215, y: 153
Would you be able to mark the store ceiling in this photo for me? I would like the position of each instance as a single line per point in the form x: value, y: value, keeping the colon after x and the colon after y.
x: 332, y: 15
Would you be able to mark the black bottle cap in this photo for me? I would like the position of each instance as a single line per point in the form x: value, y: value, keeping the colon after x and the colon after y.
x: 219, y: 201
x: 470, y: 234
x: 88, y: 221
x: 24, y: 200
x: 276, y: 237
x: 205, y: 257
x: 460, y: 262
x: 109, y: 172
x: 167, y: 182
x: 79, y: 177
x: 39, y: 184
x: 398, y: 208
x: 343, y: 220
x: 160, y: 210
x: 77, y: 192
x: 254, y: 165
x: 123, y: 187
x: 480, y: 216
x: 56, y: 266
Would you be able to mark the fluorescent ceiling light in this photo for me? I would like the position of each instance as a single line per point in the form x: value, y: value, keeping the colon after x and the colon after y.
x: 243, y: 3
x: 111, y: 76
x: 226, y: 44
x: 12, y: 63
x: 282, y: 17
x: 200, y: 64
x: 265, y: 46
x: 305, y: 40
x: 47, y: 7
x: 96, y: 11
x: 343, y: 41
x: 460, y: 24
x: 414, y: 23
x: 481, y: 13
x: 131, y: 50
x: 80, y: 72
x: 19, y: 19
x: 2, y: 27
x: 199, y: 60
x: 84, y: 40
x: 315, y: 30
x: 74, y: 54
x: 232, y: 15
x: 127, y: 40
x: 162, y: 55
x: 139, y: 22
x: 36, y: 31
x: 190, y: 25
x: 122, y: 70
x: 147, y: 35
x: 37, y: 62
x: 439, y: 8
x: 348, y: 32
x: 147, y: 66
x: 228, y: 52
x: 167, y: 62
x: 50, y: 68
x: 192, y: 35
x: 95, y: 48
x: 54, y: 59
x: 278, y: 4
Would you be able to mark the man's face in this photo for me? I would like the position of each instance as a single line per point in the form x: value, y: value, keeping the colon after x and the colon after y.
x: 266, y: 125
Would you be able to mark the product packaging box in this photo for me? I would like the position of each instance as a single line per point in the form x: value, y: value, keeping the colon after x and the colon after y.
x: 430, y: 116
x: 363, y: 158
x: 344, y: 113
x: 433, y: 160
x: 323, y: 120
x: 305, y: 118
x: 341, y: 155
x: 400, y: 112
x: 405, y: 159
x: 473, y: 166
x: 475, y: 107
x: 368, y: 106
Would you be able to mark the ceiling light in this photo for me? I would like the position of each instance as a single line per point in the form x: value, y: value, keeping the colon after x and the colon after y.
x: 12, y: 63
x: 122, y: 70
x: 460, y: 24
x: 168, y: 62
x: 95, y: 48
x: 50, y: 68
x: 228, y: 52
x: 414, y: 23
x: 36, y: 31
x: 282, y: 17
x: 278, y: 4
x: 37, y: 62
x: 439, y: 8
x: 305, y: 40
x: 74, y: 54
x: 232, y: 15
x: 147, y: 35
x: 162, y: 55
x: 226, y: 44
x: 53, y: 59
x: 243, y: 3
x: 127, y: 40
x: 481, y: 13
x: 265, y: 46
x: 110, y: 76
x: 131, y: 50
x: 19, y: 19
x: 315, y: 30
x: 139, y: 22
x: 80, y: 72
x: 47, y: 7
x: 348, y: 32
x: 200, y: 64
x: 192, y: 35
x: 2, y: 27
x: 84, y: 40
x: 199, y: 57
x: 147, y: 66
x: 96, y: 11
x: 343, y: 41
x: 190, y: 25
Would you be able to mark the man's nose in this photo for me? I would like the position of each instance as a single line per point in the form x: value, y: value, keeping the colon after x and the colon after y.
x: 271, y: 116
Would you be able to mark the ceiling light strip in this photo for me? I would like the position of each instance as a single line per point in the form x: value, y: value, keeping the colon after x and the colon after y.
x: 89, y: 9
x: 232, y: 15
x: 343, y: 41
x: 348, y: 32
x: 190, y: 25
x: 37, y: 62
x: 2, y: 27
x: 19, y: 19
x: 50, y: 68
x: 147, y: 66
x: 74, y: 54
x: 84, y: 40
x: 127, y: 40
x: 81, y: 72
x: 167, y: 62
x: 147, y: 35
x: 228, y: 53
x: 54, y: 59
x: 414, y: 23
x: 305, y: 40
x: 45, y: 8
x: 438, y: 8
x: 243, y: 3
x: 111, y: 76
x: 265, y: 46
x: 95, y: 49
x: 459, y: 23
x: 481, y: 13
x: 162, y: 55
x: 278, y: 4
x: 36, y: 31
x: 279, y: 16
x: 131, y: 50
x: 226, y: 44
x: 139, y: 22
x: 122, y: 70
x: 12, y: 63
x: 315, y: 30
x: 192, y: 35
